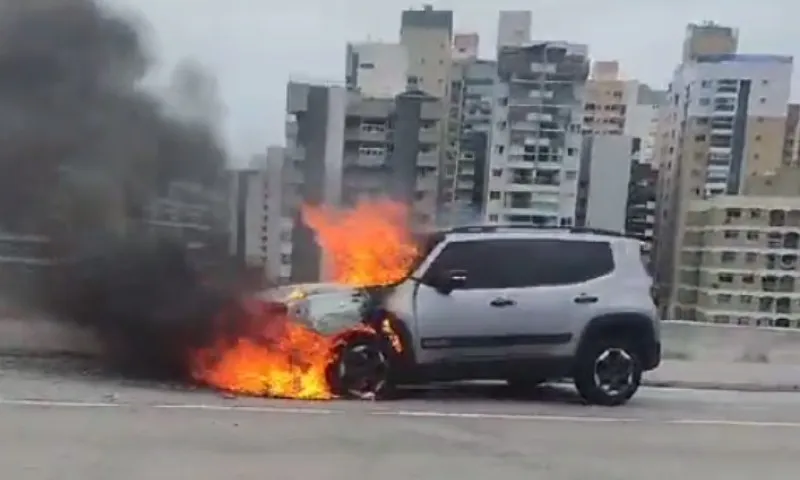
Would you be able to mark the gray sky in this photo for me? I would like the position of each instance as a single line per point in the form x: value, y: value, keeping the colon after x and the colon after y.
x: 253, y: 47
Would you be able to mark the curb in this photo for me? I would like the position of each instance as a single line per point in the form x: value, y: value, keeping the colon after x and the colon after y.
x: 734, y: 387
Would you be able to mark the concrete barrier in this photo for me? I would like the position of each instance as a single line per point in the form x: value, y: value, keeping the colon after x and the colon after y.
x: 40, y: 336
x: 685, y: 341
x: 702, y: 342
x: 700, y: 356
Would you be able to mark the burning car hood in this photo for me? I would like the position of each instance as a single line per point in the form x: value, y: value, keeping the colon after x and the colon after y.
x: 328, y: 308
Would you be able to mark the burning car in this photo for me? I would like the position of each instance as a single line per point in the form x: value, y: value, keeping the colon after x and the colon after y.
x: 489, y: 302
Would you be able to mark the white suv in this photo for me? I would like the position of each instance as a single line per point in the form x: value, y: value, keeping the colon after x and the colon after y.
x: 524, y: 305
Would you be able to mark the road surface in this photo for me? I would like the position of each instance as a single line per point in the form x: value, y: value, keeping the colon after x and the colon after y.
x: 93, y: 429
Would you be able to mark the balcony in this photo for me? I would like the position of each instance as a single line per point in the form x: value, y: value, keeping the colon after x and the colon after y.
x: 366, y: 133
x: 428, y: 159
x: 365, y: 160
x: 524, y: 102
x: 431, y: 111
x: 369, y: 107
x: 429, y: 135
x: 427, y: 183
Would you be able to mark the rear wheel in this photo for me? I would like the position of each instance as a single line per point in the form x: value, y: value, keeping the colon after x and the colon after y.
x: 361, y: 370
x: 608, y: 372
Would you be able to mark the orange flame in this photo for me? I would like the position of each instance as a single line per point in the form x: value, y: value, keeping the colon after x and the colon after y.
x: 369, y: 244
x: 366, y: 245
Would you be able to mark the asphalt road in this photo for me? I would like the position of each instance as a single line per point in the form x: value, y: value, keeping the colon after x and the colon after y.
x: 72, y: 427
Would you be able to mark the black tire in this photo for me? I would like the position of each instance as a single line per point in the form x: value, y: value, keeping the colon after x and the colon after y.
x: 608, y: 371
x: 361, y: 370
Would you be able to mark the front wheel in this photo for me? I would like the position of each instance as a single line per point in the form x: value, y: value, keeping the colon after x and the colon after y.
x: 608, y: 372
x: 360, y: 370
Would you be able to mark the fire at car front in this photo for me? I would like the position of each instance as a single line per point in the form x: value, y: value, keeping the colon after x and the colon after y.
x: 325, y: 340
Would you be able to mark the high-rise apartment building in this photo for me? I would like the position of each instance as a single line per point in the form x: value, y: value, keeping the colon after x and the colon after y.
x: 465, y: 46
x: 616, y: 188
x: 514, y: 28
x: 391, y: 148
x: 738, y: 263
x: 377, y: 69
x: 616, y: 106
x: 471, y: 109
x: 536, y: 134
x: 427, y: 36
x: 723, y: 123
x: 314, y: 153
x: 344, y: 145
x: 709, y: 38
x: 791, y: 141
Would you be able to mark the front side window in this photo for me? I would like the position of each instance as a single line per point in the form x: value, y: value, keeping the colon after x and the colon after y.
x: 472, y: 258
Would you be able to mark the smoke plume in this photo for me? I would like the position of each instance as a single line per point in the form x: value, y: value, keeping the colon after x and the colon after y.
x: 72, y: 107
x: 83, y: 149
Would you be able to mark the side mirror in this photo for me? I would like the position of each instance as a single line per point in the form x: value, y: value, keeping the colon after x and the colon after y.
x: 451, y: 280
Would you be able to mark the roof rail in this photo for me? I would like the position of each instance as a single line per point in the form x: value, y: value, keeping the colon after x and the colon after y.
x: 499, y: 227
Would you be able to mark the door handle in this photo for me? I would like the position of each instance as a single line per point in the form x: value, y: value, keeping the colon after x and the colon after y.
x: 502, y: 302
x: 583, y: 298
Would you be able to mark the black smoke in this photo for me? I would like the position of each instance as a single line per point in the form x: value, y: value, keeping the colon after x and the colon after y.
x: 74, y: 116
x: 84, y: 149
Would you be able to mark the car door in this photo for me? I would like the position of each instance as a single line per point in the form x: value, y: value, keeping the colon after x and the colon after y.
x: 556, y: 286
x: 459, y: 326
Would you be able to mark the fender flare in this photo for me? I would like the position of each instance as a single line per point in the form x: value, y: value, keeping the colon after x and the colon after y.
x: 625, y: 323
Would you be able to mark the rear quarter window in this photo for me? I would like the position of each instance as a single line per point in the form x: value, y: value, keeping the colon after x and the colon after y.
x: 542, y: 262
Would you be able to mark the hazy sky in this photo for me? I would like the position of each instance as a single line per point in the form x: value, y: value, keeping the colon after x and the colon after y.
x: 253, y: 46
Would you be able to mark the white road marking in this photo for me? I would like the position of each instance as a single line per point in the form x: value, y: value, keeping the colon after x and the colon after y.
x: 399, y: 413
x: 736, y: 423
x: 502, y: 416
x: 57, y: 403
x: 244, y: 408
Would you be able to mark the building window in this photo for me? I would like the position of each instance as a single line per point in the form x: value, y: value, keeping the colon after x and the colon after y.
x: 494, y: 195
x: 750, y: 257
x: 746, y: 299
x: 731, y: 234
x: 725, y: 278
x: 752, y: 236
x: 728, y: 257
x: 496, y: 172
x: 733, y: 213
x: 724, y: 298
x: 492, y: 218
x: 571, y: 152
x: 704, y: 101
x: 749, y: 279
x: 699, y: 138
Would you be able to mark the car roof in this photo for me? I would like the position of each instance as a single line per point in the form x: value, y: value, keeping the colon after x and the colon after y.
x: 485, y: 232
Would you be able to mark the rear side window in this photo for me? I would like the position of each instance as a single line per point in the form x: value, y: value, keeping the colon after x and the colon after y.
x: 564, y: 262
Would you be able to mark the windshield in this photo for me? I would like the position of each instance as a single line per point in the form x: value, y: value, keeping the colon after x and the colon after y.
x: 426, y: 242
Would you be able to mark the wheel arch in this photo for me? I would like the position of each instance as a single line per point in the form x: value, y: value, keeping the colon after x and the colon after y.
x: 635, y: 326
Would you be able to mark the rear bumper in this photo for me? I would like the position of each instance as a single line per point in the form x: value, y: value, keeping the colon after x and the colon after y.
x: 651, y: 357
